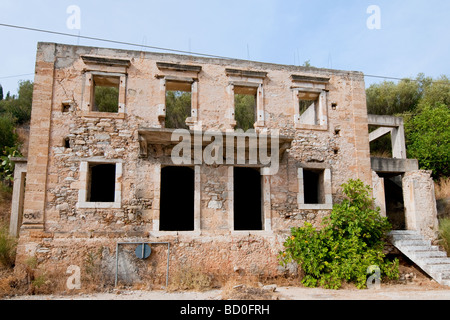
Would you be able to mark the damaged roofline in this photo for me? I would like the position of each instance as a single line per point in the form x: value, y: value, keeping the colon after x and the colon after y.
x: 200, y: 59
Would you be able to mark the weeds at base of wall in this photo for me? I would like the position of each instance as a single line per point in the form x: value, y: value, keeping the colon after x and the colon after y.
x: 29, y: 279
x: 7, y: 248
x: 444, y: 234
x: 442, y: 188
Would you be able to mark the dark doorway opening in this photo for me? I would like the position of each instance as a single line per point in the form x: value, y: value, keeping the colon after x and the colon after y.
x: 177, y: 199
x: 247, y: 199
x: 102, y: 182
x: 395, y: 207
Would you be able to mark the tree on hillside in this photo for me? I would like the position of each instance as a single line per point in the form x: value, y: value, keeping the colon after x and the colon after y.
x: 424, y: 105
x: 437, y: 93
x: 178, y: 109
x: 393, y: 98
x: 428, y: 138
x: 245, y: 109
x: 19, y: 108
x: 8, y: 137
x: 1, y: 92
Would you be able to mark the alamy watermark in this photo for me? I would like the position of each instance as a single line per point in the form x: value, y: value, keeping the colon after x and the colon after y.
x: 73, y: 22
x: 374, y: 20
x: 227, y: 148
x: 74, y: 281
x: 374, y: 281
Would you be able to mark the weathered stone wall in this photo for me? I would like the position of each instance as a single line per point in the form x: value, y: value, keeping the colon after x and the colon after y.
x: 55, y: 179
x: 420, y: 203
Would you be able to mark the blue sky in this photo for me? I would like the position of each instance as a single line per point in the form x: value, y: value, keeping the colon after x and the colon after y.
x: 414, y: 35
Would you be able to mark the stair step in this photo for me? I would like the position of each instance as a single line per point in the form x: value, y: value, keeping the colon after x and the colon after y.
x: 412, y: 249
x: 437, y: 267
x: 397, y: 237
x: 404, y: 243
x: 445, y: 282
x: 427, y: 254
x: 395, y: 232
x: 433, y: 260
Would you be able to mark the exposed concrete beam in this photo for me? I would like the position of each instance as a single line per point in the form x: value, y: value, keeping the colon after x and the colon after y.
x: 390, y: 165
x: 374, y: 135
x: 384, y: 121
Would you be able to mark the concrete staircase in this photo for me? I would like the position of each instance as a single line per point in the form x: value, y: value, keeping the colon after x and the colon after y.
x: 419, y: 250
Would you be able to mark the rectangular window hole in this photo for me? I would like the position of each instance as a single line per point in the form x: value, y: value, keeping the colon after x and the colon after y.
x: 313, y: 180
x: 245, y: 107
x: 106, y: 94
x: 178, y: 104
x: 102, y: 181
x: 177, y: 199
x: 247, y: 199
x: 67, y: 143
x: 308, y: 107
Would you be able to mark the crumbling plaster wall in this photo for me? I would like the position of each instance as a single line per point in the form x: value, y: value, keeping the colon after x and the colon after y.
x: 53, y: 194
x: 420, y: 203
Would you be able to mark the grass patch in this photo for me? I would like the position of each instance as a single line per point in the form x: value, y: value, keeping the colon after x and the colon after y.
x: 188, y: 278
x: 7, y: 248
x: 442, y: 188
x: 444, y: 234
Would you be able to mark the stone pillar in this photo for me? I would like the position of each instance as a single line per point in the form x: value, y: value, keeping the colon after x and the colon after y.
x: 38, y: 152
x: 398, y: 142
x: 230, y: 192
x: 20, y: 172
x: 378, y: 193
x: 156, y: 176
x: 360, y: 130
x: 229, y: 115
x: 420, y: 203
x: 259, y: 107
x: 266, y: 205
x: 197, y: 199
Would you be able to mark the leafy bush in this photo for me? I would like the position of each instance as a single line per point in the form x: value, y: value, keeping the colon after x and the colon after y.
x: 351, y: 240
x: 6, y: 165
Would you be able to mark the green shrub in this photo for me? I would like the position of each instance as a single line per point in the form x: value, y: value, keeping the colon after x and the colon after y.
x: 350, y: 241
x: 6, y: 165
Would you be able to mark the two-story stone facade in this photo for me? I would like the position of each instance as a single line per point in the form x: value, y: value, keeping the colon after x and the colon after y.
x: 98, y: 178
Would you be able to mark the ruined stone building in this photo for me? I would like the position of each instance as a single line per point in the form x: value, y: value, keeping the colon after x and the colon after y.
x: 99, y: 177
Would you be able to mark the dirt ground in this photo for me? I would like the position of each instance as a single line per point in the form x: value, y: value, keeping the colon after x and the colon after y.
x: 412, y: 285
x: 386, y: 292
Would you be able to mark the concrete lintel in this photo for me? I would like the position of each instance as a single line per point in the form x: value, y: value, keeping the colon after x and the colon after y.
x: 384, y: 121
x: 18, y: 159
x: 178, y: 67
x: 106, y: 61
x: 391, y: 165
x: 299, y: 78
x: 245, y: 73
